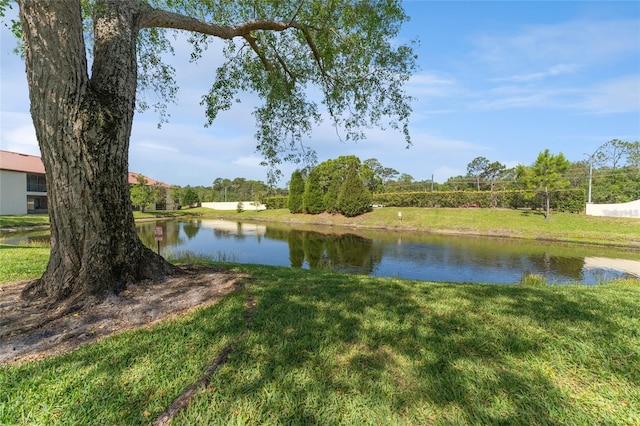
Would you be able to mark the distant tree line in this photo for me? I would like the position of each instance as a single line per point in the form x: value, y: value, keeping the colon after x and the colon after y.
x: 612, y: 172
x: 225, y: 190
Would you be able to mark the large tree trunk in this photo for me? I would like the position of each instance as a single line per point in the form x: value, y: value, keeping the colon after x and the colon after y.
x: 83, y: 127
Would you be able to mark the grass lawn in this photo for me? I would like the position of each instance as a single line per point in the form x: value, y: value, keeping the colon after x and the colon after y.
x: 324, y: 348
x: 23, y: 220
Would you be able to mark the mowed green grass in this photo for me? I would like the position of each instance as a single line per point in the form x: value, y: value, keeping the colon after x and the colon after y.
x: 324, y: 348
x: 19, y: 263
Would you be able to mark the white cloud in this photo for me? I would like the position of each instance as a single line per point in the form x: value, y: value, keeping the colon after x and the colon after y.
x: 614, y: 96
x: 550, y: 72
x: 577, y: 42
x: 18, y: 134
x: 432, y: 84
x: 250, y: 161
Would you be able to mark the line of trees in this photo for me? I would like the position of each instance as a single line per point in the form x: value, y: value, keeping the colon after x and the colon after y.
x: 613, y: 169
x: 223, y: 189
x: 333, y: 186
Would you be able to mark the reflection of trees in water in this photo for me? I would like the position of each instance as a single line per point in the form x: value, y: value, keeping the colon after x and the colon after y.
x: 191, y: 228
x: 296, y: 249
x: 496, y: 254
x: 335, y: 252
x: 170, y: 233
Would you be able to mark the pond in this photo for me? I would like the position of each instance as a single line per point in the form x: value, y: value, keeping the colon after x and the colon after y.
x: 409, y: 255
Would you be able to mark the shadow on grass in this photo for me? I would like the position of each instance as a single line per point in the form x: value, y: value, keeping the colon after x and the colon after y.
x: 341, y: 349
x: 335, y: 349
x: 126, y: 379
x: 532, y: 213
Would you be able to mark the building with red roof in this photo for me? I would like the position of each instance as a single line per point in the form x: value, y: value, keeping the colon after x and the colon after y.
x: 23, y: 184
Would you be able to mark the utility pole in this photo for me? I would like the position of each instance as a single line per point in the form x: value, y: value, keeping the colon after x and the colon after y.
x: 591, y: 172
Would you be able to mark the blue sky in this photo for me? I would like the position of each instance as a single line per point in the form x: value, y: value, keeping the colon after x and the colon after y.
x: 503, y: 80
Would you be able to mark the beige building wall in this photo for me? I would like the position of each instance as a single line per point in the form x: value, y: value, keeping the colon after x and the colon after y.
x: 233, y: 205
x: 631, y: 209
x: 13, y: 192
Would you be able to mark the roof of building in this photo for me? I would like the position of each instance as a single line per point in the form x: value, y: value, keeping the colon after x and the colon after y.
x: 17, y: 162
x: 133, y: 179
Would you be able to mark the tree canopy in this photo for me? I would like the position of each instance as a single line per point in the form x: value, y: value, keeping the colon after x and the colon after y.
x: 545, y: 175
x: 89, y: 63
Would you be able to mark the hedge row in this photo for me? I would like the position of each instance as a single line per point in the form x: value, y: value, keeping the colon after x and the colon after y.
x: 277, y: 202
x: 572, y: 200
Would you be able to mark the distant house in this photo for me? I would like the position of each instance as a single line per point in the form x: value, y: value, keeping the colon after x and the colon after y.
x: 23, y: 185
x: 167, y: 202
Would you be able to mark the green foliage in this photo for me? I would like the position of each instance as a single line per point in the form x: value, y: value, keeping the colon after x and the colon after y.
x: 375, y: 175
x: 533, y: 280
x: 621, y: 185
x: 190, y: 197
x: 296, y: 192
x: 354, y: 198
x: 476, y: 168
x: 143, y: 194
x: 331, y: 174
x: 335, y: 45
x: 545, y: 175
x: 240, y: 207
x: 313, y: 196
x: 276, y: 202
x: 571, y: 200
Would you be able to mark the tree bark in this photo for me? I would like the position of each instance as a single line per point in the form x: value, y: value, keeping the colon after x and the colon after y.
x: 83, y: 127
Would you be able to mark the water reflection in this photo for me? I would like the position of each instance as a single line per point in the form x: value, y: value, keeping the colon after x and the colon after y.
x: 383, y: 253
x: 405, y: 255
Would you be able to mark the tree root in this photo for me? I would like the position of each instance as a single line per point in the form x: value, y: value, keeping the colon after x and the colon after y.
x: 184, y: 399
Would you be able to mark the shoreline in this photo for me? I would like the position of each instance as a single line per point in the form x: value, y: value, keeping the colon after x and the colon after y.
x: 339, y: 221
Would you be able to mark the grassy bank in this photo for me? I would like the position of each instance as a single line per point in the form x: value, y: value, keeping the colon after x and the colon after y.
x: 326, y: 348
x: 38, y: 220
x: 524, y: 224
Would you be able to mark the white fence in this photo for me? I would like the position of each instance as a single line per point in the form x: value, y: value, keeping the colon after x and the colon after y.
x: 631, y: 209
x: 233, y: 205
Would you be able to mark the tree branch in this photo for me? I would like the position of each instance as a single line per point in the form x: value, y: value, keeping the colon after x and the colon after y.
x: 151, y: 17
x: 252, y: 42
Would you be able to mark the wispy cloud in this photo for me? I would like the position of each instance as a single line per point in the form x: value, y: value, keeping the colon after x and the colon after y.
x: 553, y: 71
x: 432, y: 84
x: 577, y: 43
x: 17, y: 133
x: 614, y: 96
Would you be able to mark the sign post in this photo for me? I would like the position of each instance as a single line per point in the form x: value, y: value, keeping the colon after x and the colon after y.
x: 157, y: 234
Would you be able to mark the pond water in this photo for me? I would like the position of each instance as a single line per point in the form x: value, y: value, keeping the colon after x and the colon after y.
x: 393, y: 254
x: 409, y: 255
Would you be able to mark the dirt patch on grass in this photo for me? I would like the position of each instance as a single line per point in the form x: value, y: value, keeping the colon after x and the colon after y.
x: 30, y: 331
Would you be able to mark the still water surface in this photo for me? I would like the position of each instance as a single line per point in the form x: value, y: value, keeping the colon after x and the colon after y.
x: 393, y: 254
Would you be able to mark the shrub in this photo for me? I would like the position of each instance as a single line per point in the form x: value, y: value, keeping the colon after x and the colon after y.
x: 564, y: 200
x: 296, y: 192
x: 354, y: 198
x: 276, y: 202
x: 312, y: 198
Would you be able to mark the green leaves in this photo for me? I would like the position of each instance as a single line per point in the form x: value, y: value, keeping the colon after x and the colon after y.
x: 305, y: 60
